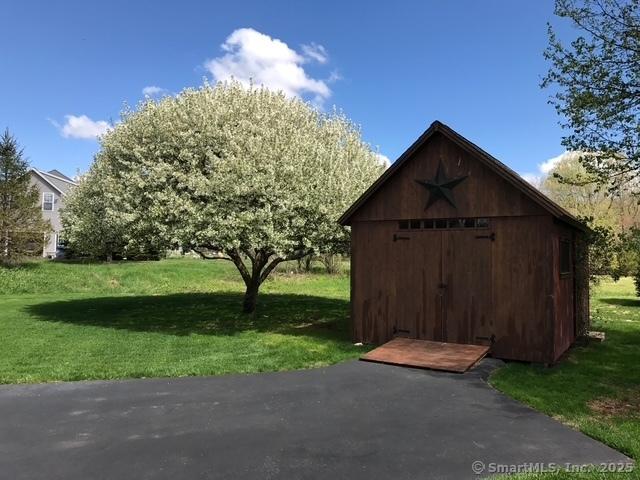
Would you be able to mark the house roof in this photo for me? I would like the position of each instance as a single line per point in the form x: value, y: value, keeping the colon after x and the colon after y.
x: 59, y: 174
x: 62, y: 184
x: 491, y: 162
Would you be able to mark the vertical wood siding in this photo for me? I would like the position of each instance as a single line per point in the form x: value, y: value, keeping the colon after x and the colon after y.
x: 502, y: 288
x: 450, y: 285
x: 564, y: 286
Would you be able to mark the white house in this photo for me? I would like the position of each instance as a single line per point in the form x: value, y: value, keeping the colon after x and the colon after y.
x: 53, y: 187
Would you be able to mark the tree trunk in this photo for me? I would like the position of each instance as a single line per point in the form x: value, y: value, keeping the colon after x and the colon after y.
x: 263, y: 262
x: 5, y: 245
x: 308, y: 263
x: 251, y: 297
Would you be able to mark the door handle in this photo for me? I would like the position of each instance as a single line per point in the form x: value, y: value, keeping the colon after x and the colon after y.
x: 442, y: 285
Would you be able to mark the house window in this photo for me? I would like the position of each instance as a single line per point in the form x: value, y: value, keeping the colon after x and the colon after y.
x: 47, y: 201
x: 565, y: 257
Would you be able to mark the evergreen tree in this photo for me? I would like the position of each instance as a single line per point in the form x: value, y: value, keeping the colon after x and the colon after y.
x: 22, y: 228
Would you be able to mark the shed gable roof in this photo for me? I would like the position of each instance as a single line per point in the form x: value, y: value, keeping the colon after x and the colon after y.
x: 489, y: 161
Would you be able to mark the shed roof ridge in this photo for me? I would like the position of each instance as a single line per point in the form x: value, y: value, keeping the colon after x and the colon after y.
x: 496, y: 165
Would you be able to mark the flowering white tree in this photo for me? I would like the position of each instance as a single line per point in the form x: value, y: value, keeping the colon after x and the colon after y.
x: 246, y: 175
x: 93, y: 224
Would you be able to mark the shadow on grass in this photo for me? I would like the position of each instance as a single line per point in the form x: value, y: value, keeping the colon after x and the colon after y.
x: 204, y: 313
x: 622, y: 302
x: 22, y: 265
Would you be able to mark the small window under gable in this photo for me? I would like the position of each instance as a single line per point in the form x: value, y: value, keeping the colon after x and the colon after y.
x: 443, y: 223
x: 47, y: 201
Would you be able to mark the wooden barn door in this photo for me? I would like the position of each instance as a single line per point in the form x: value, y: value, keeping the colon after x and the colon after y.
x: 466, y: 266
x: 443, y: 285
x: 417, y: 279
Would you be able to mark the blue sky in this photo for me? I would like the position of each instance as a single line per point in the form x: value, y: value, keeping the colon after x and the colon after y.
x: 67, y: 68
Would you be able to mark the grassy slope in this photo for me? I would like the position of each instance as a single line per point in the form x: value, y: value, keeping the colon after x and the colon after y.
x: 169, y: 318
x: 181, y: 317
x: 597, y: 387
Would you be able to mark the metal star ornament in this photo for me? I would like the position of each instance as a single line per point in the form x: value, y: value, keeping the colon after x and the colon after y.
x: 441, y: 187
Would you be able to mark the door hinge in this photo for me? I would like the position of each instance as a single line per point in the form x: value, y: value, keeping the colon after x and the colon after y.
x: 491, y: 339
x: 397, y: 237
x: 491, y: 237
x: 399, y: 330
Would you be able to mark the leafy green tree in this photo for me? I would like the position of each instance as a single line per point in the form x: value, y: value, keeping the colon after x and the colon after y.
x: 580, y: 192
x: 22, y: 228
x: 94, y: 225
x: 596, y: 82
x: 604, y: 250
x: 245, y: 175
x: 91, y: 228
x: 612, y: 214
x: 629, y: 256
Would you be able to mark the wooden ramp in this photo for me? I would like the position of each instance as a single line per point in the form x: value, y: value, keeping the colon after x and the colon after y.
x: 450, y: 357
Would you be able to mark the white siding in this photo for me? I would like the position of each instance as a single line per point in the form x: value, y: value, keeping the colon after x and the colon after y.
x: 53, y: 216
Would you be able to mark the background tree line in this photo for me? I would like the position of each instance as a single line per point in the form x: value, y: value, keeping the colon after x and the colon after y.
x: 613, y: 215
x: 594, y: 82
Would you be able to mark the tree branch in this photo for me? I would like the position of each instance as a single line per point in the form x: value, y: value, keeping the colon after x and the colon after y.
x: 242, y: 268
x: 210, y: 257
x: 299, y: 254
x: 270, y: 267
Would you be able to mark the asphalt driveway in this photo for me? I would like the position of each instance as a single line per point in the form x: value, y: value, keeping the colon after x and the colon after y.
x: 351, y: 421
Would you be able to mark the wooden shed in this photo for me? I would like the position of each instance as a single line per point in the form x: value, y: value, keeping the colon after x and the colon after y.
x: 451, y: 245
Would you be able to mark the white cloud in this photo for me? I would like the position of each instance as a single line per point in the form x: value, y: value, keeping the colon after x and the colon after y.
x: 548, y: 165
x: 383, y: 159
x: 545, y: 168
x: 82, y: 127
x: 315, y: 52
x: 334, y: 77
x: 154, y: 91
x: 533, y: 178
x: 253, y: 57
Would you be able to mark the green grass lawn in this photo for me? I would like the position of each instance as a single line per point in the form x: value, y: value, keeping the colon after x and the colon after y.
x: 65, y: 321
x: 596, y: 388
